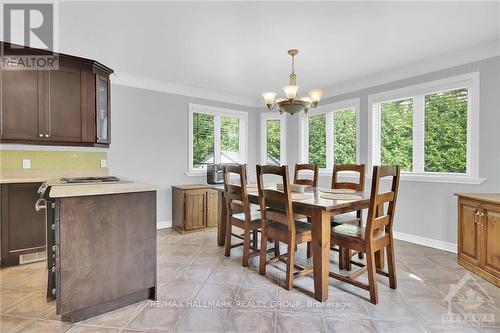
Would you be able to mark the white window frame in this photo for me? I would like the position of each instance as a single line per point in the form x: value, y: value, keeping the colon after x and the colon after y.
x: 217, y: 113
x: 469, y: 81
x: 264, y: 117
x: 329, y: 110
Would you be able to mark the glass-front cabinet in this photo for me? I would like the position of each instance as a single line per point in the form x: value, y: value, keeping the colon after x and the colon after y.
x: 103, y: 121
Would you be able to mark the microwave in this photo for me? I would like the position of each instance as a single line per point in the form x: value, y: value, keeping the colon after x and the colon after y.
x: 215, y: 174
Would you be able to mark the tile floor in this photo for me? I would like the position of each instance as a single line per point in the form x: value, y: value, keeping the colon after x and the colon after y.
x: 200, y: 290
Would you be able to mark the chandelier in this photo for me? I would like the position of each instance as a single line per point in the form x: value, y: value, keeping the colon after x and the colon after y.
x: 293, y: 103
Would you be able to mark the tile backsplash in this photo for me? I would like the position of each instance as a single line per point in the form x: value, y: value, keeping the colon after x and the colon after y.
x: 11, y: 160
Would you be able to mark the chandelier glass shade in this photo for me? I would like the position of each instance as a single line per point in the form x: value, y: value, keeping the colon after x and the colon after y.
x: 293, y: 103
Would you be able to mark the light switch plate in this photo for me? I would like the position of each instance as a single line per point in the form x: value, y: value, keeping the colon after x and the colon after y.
x: 104, y: 163
x: 26, y: 164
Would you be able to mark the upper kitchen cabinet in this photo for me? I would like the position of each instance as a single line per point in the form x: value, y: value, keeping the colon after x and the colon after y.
x: 67, y: 106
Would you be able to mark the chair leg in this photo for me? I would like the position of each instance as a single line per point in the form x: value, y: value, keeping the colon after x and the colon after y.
x: 360, y: 216
x: 372, y: 275
x: 246, y: 247
x: 347, y: 258
x: 341, y: 258
x: 309, y: 252
x: 227, y: 244
x: 276, y: 248
x: 263, y: 253
x: 391, y: 265
x: 290, y: 264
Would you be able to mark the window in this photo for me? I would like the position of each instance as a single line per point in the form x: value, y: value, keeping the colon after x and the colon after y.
x: 317, y: 140
x: 216, y: 136
x: 273, y: 139
x: 430, y: 130
x: 330, y: 136
x: 396, y: 134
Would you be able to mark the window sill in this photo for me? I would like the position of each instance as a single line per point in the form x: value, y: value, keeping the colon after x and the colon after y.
x: 443, y: 178
x: 415, y: 177
x: 193, y: 173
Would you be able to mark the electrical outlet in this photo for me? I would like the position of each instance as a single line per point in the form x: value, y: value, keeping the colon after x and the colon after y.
x: 104, y: 163
x: 26, y: 164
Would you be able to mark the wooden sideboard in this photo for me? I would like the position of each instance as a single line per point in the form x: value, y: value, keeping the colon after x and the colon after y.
x: 194, y: 207
x: 479, y: 234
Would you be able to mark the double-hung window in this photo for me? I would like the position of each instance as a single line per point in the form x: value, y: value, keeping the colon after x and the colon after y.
x: 215, y: 136
x: 430, y: 130
x: 329, y: 135
x: 273, y: 138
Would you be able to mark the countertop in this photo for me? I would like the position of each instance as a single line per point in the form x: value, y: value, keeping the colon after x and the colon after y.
x: 80, y: 190
x: 487, y: 197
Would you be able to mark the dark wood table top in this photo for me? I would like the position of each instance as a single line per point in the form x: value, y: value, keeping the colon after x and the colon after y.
x: 318, y: 198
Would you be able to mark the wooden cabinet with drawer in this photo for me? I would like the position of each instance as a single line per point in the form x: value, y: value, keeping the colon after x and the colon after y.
x: 479, y: 234
x: 194, y: 207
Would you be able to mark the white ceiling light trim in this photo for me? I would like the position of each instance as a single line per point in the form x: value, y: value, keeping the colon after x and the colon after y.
x: 136, y: 81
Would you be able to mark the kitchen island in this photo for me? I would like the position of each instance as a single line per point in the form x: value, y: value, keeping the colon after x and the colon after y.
x: 101, y: 246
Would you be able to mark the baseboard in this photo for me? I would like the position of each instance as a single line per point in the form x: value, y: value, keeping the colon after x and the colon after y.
x: 437, y: 244
x: 164, y: 224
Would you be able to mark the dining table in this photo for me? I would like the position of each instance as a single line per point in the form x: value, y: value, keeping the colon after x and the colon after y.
x: 319, y: 204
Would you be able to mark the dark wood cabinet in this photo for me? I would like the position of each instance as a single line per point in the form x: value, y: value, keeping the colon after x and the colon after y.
x: 103, y: 115
x: 20, y: 104
x: 479, y: 234
x: 194, y: 207
x: 67, y: 106
x: 22, y: 227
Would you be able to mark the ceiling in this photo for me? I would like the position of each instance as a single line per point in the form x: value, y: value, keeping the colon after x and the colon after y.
x: 240, y: 48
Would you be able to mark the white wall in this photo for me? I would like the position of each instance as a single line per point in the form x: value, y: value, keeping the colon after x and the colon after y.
x: 428, y: 209
x: 149, y: 133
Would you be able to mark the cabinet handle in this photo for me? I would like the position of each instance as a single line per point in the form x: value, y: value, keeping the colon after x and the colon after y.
x: 476, y: 216
x: 40, y: 135
x: 481, y: 218
x: 39, y: 206
x: 46, y: 135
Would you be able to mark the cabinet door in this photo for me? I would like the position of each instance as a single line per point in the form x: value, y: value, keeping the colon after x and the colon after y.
x: 468, y: 232
x: 21, y: 102
x: 23, y: 228
x: 195, y: 210
x: 65, y: 105
x: 212, y: 208
x: 491, y: 240
x: 103, y: 118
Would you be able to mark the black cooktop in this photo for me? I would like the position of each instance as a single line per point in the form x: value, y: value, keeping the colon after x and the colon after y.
x: 83, y: 180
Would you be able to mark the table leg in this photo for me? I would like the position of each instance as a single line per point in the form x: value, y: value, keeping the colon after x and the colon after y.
x: 221, y: 226
x: 321, y: 253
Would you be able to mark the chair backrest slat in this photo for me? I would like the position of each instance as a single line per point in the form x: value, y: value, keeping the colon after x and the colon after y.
x: 359, y: 168
x: 275, y: 206
x: 377, y: 218
x: 236, y: 194
x: 313, y: 182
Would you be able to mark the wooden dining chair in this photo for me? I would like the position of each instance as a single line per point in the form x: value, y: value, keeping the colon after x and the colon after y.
x: 239, y: 213
x: 313, y: 182
x: 359, y: 185
x: 279, y: 224
x: 376, y: 236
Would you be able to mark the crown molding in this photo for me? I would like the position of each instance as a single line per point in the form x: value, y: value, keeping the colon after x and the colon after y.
x: 136, y: 81
x: 432, y: 64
